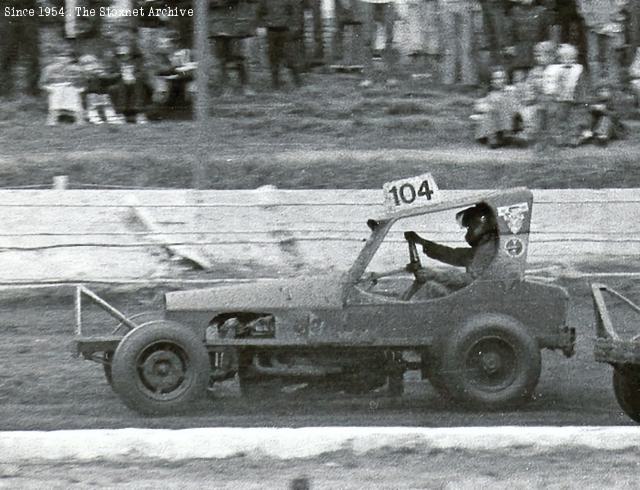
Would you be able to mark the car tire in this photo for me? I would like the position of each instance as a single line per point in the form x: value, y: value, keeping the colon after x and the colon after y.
x: 626, y: 386
x: 490, y: 363
x: 160, y: 368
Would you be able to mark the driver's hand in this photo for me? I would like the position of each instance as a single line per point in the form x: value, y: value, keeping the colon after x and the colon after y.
x: 411, y: 236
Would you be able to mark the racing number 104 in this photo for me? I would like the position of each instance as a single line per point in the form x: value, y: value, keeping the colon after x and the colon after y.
x: 407, y: 193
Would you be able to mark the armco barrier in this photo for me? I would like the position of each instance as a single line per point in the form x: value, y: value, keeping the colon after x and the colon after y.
x: 78, y: 235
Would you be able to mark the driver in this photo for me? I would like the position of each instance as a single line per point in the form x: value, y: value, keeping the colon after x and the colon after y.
x: 481, y: 235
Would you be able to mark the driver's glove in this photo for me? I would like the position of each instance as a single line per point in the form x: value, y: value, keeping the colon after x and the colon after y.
x: 412, y: 236
x: 422, y: 275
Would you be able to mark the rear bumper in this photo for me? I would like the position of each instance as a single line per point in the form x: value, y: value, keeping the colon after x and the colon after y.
x: 564, y: 340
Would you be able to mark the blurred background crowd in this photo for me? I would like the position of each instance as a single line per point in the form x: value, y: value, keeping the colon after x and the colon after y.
x: 547, y: 71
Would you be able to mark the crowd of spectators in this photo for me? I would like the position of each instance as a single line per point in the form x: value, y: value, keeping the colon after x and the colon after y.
x: 552, y: 69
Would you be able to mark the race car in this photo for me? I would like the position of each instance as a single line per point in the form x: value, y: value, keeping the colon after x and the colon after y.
x: 359, y: 330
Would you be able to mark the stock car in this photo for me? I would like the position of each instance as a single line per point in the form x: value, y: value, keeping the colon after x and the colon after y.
x: 479, y: 346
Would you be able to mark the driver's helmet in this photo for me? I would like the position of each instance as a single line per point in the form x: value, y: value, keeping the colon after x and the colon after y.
x: 479, y: 221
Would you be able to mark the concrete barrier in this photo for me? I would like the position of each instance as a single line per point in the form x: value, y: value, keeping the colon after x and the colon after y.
x: 78, y: 235
x: 211, y: 443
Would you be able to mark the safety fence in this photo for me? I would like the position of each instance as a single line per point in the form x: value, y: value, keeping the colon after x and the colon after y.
x: 131, y: 235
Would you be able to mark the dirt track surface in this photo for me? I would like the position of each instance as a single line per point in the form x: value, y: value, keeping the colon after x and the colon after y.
x: 521, y: 468
x: 43, y: 387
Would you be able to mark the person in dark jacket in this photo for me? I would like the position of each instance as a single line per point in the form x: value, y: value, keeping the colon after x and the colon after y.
x: 284, y: 21
x: 530, y: 23
x: 482, y: 237
x: 19, y: 41
x: 230, y: 23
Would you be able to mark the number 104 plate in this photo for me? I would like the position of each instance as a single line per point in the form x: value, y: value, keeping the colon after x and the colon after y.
x: 411, y: 192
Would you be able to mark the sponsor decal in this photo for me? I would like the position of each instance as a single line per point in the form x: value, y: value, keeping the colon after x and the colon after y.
x: 514, y: 215
x: 514, y: 247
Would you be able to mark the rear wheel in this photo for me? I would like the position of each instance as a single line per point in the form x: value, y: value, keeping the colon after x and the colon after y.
x: 626, y: 386
x: 490, y: 364
x: 160, y: 368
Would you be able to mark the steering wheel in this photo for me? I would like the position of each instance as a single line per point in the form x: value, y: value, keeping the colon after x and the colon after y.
x: 414, y: 266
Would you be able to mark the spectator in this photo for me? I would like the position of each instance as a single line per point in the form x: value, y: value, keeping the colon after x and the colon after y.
x: 496, y: 29
x: 284, y: 21
x: 63, y: 81
x: 19, y: 41
x: 350, y: 14
x: 495, y: 112
x: 317, y: 56
x: 605, y: 39
x: 567, y: 86
x: 457, y: 35
x: 381, y: 18
x: 131, y: 91
x: 99, y: 83
x: 603, y: 124
x: 230, y: 23
x: 540, y: 89
x: 529, y: 23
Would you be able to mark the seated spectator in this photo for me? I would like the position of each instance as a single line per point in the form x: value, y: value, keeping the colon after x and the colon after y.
x: 63, y: 82
x: 99, y: 83
x: 603, y: 123
x: 495, y: 117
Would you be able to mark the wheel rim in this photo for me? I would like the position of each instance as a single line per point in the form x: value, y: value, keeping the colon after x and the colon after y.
x: 491, y: 364
x: 163, y: 370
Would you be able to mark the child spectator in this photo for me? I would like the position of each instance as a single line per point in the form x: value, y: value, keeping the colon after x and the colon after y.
x: 64, y: 83
x: 603, y: 122
x: 567, y: 87
x: 130, y: 93
x: 99, y: 82
x: 495, y: 113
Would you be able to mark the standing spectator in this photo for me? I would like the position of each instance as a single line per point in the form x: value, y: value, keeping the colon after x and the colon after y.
x: 350, y: 14
x: 19, y: 41
x: 568, y: 88
x: 457, y: 41
x: 317, y: 56
x: 131, y: 91
x: 64, y: 82
x: 496, y: 29
x: 605, y: 39
x: 230, y: 23
x: 379, y: 32
x: 99, y: 83
x: 284, y: 21
x: 529, y: 25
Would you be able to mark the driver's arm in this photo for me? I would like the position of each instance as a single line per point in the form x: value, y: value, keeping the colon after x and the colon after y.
x: 457, y: 257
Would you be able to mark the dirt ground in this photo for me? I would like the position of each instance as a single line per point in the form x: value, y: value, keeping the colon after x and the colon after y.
x: 43, y: 387
x: 329, y: 134
x: 519, y: 468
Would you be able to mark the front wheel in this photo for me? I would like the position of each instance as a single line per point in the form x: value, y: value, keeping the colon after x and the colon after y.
x: 626, y: 386
x: 491, y: 364
x: 160, y: 368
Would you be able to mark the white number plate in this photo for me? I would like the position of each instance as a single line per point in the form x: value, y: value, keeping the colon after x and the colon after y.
x: 414, y: 191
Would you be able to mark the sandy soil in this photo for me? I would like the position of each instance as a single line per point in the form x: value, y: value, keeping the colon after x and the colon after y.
x: 42, y: 386
x: 521, y: 468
